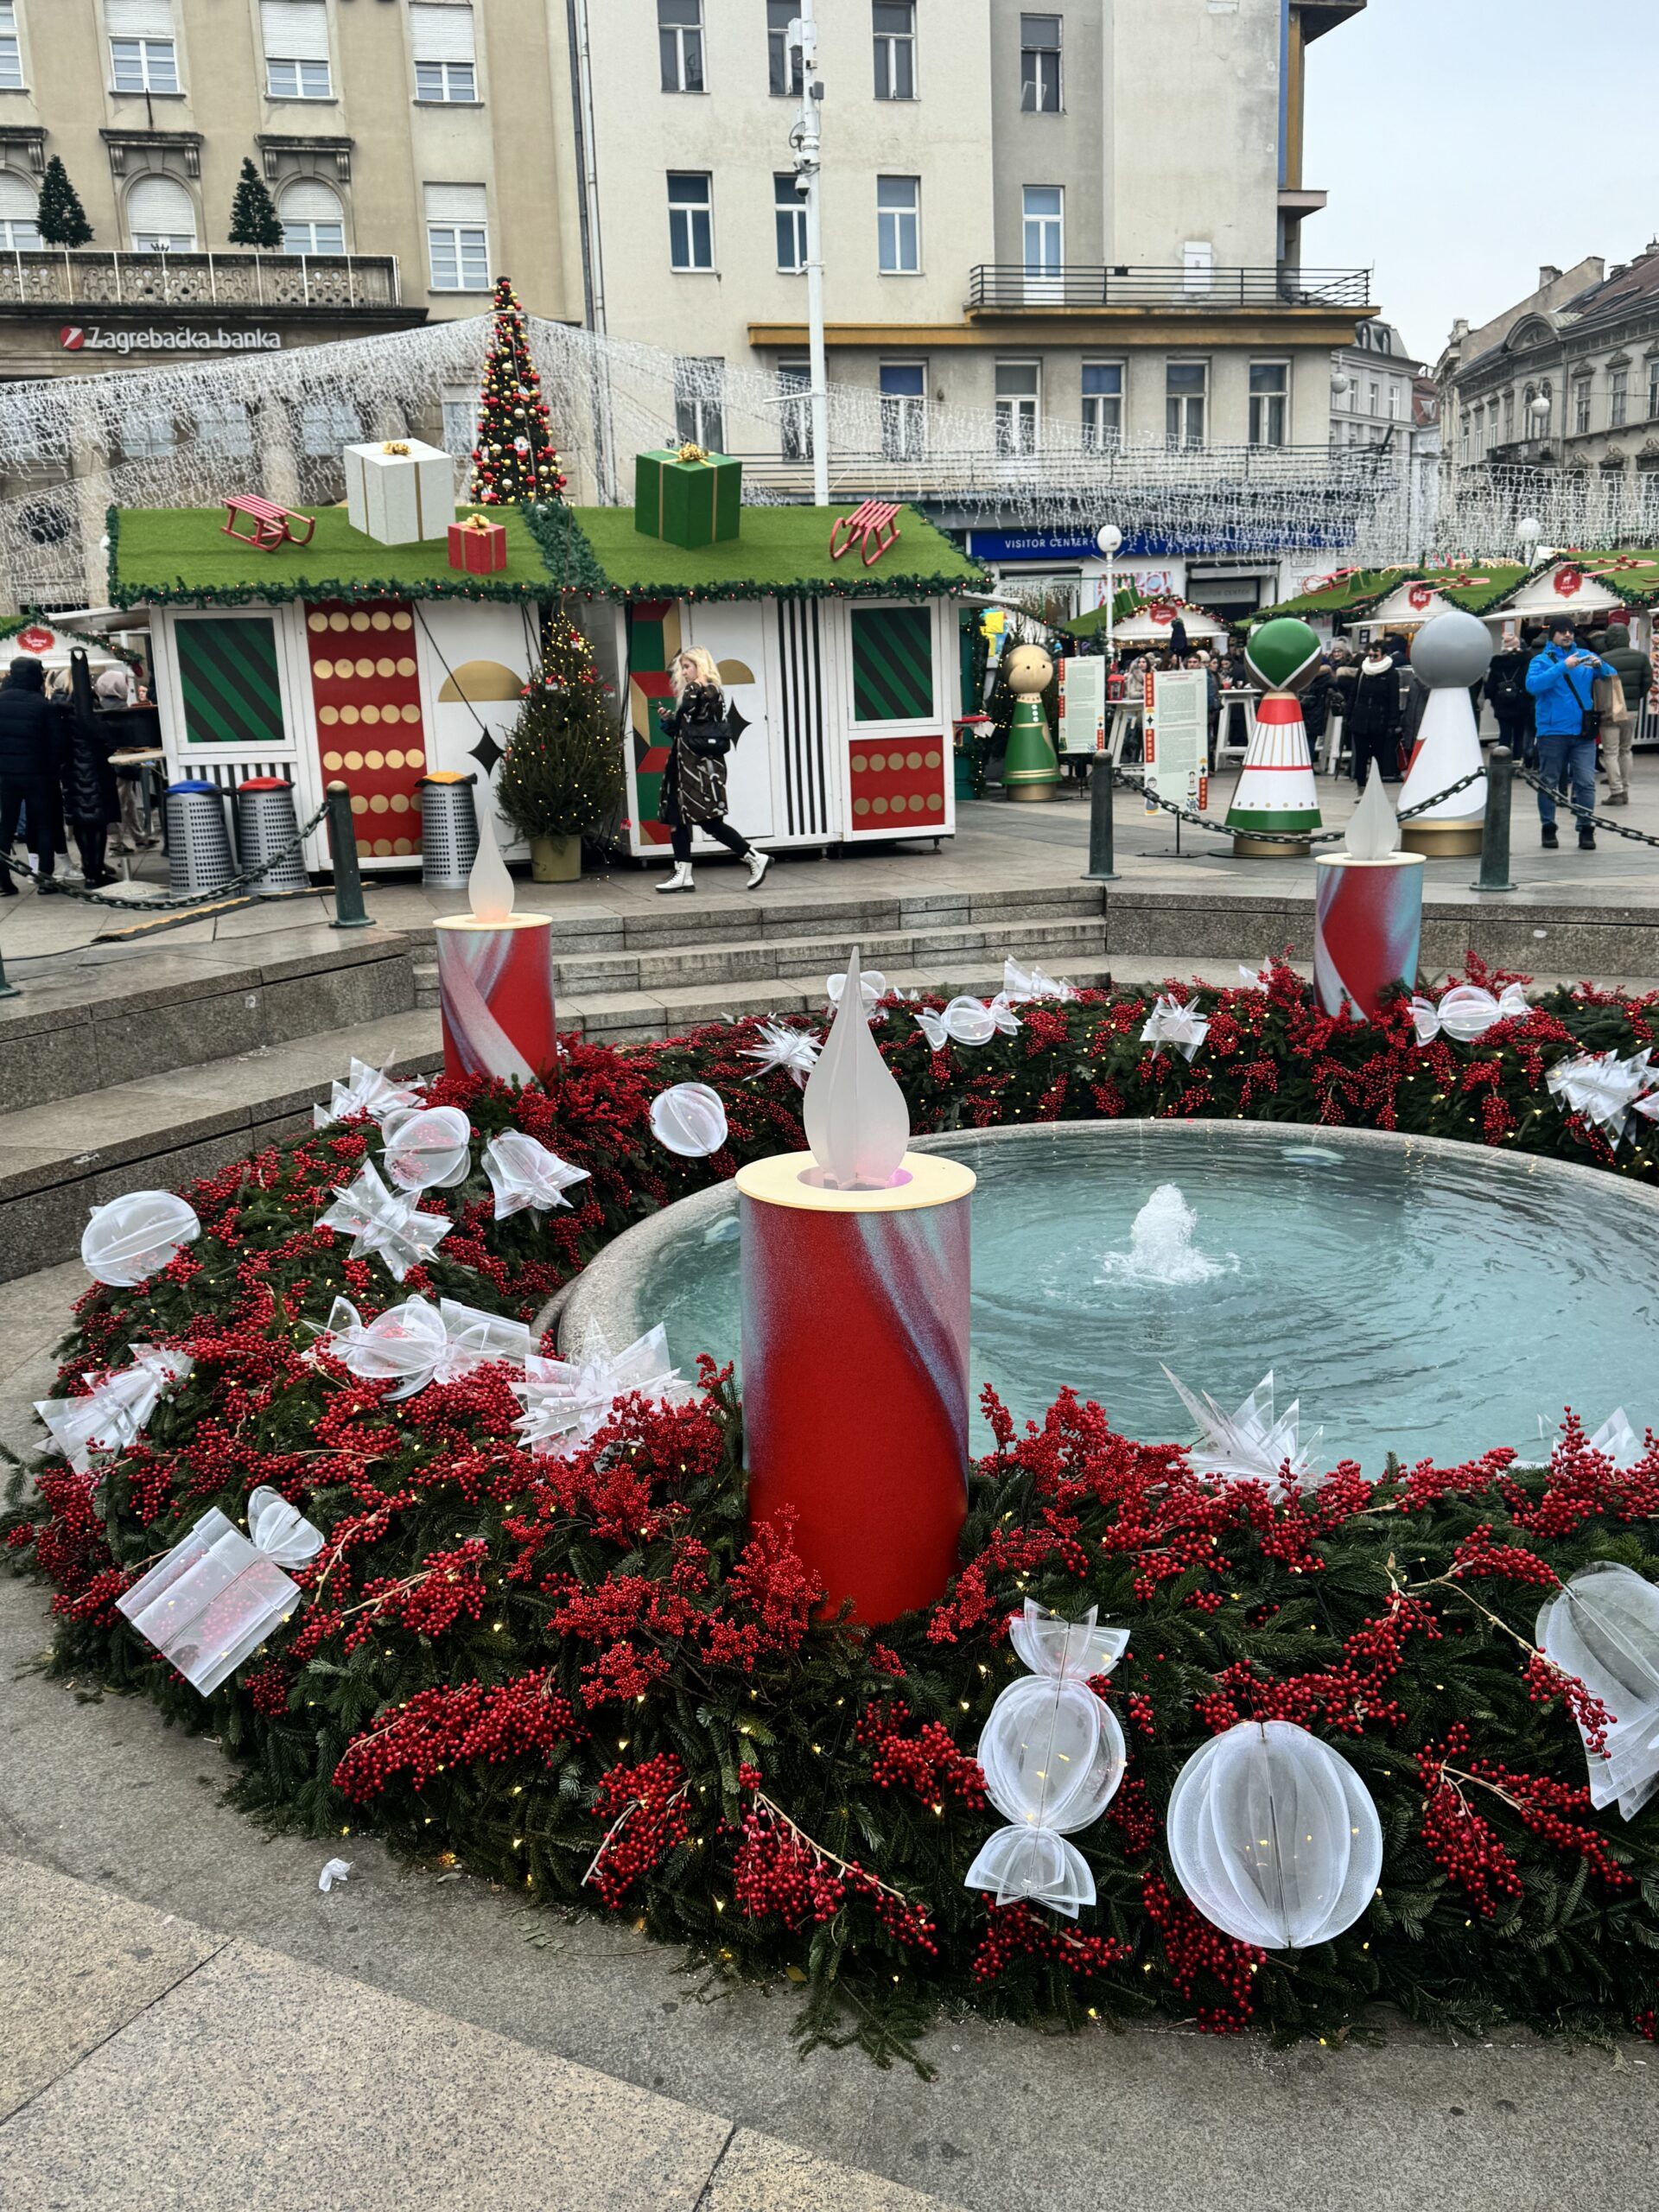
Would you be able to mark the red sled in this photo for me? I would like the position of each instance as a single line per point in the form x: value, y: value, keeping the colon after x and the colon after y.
x: 479, y: 547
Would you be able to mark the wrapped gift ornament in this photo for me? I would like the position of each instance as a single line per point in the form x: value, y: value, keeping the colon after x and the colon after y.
x: 689, y: 1119
x: 568, y: 1401
x: 367, y: 1091
x: 524, y: 1175
x: 969, y: 1022
x: 380, y: 1222
x: 1468, y: 1012
x: 687, y: 497
x: 1250, y: 1445
x: 797, y: 1050
x: 218, y: 1594
x: 428, y: 1147
x: 1604, y: 1627
x: 1172, y: 1023
x: 114, y: 1413
x: 415, y: 1342
x: 1368, y: 910
x: 872, y: 985
x: 1053, y: 1755
x: 399, y: 492
x: 478, y: 546
x: 129, y: 1238
x: 1603, y: 1088
x: 1274, y: 1837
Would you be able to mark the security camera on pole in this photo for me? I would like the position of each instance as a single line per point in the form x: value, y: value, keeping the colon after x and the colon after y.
x: 802, y: 38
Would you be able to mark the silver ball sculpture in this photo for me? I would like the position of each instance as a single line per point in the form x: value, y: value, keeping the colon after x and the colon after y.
x: 1453, y: 649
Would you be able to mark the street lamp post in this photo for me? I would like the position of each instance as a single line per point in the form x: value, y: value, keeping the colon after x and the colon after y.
x: 1529, y: 530
x: 802, y: 37
x: 1109, y: 538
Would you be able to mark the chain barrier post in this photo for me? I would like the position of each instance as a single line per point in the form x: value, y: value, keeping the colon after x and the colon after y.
x: 1101, y: 794
x: 1495, y: 827
x: 349, y: 911
x: 7, y: 990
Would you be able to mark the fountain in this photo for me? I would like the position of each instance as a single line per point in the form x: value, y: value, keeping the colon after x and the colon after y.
x: 1161, y: 1244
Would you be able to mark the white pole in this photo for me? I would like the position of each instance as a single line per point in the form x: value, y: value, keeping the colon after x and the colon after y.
x: 1109, y: 538
x: 808, y: 167
x: 1111, y: 596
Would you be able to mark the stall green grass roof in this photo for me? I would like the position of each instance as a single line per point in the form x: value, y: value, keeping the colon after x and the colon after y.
x: 780, y: 549
x: 1630, y: 572
x: 1349, y: 595
x: 1357, y: 594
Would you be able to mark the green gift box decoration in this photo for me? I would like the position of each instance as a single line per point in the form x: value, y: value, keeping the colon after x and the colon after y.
x: 687, y: 497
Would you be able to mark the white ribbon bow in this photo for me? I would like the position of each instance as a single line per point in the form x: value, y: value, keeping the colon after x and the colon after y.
x: 1019, y: 984
x: 113, y: 1413
x: 797, y: 1050
x: 279, y: 1530
x: 1257, y: 978
x: 969, y: 1022
x: 523, y: 1174
x: 872, y: 984
x: 415, y: 1343
x: 1603, y: 1088
x: 378, y: 1220
x: 1249, y: 1446
x: 1467, y: 1011
x: 568, y: 1401
x: 367, y: 1090
x: 1172, y: 1023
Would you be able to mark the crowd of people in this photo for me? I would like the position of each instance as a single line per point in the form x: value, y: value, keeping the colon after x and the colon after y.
x: 56, y: 774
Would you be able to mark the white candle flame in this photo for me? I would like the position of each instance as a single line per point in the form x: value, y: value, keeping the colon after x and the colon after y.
x: 1374, y: 831
x: 856, y: 1120
x: 489, y: 887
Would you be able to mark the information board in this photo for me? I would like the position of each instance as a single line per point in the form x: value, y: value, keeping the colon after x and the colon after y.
x: 1082, y: 703
x: 1177, y: 738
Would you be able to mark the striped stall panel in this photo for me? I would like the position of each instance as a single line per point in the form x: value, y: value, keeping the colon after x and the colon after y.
x: 228, y: 673
x: 800, y: 660
x: 898, y: 785
x: 369, y: 734
x: 653, y: 640
x: 893, y: 663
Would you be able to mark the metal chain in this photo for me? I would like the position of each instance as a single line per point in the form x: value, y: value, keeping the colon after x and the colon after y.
x: 167, y: 903
x: 1286, y: 836
x: 1584, y: 814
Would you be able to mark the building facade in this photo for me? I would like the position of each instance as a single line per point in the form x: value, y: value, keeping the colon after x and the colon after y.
x: 1384, y: 400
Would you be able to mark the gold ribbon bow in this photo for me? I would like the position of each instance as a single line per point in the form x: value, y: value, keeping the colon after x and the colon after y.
x: 396, y: 445
x: 689, y: 452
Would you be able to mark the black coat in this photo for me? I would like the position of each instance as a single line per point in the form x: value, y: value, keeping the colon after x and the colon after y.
x: 698, y: 705
x: 1506, y: 686
x: 1316, y: 703
x: 31, y: 727
x: 1374, y: 707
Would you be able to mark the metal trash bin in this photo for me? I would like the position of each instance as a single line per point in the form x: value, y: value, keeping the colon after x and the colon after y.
x: 265, y: 822
x: 198, y: 837
x: 448, y: 831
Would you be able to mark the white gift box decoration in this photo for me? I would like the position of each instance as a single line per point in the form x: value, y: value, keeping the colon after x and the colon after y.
x: 1172, y: 1023
x: 128, y: 1239
x: 797, y: 1050
x: 1604, y: 1627
x: 1466, y: 1011
x: 689, y: 1119
x: 113, y: 1413
x: 367, y: 1091
x: 400, y: 492
x: 218, y: 1594
x: 416, y: 1342
x: 380, y: 1221
x: 568, y: 1401
x: 1052, y: 1756
x: 525, y: 1174
x: 1274, y: 1837
x: 1250, y: 1445
x: 428, y: 1147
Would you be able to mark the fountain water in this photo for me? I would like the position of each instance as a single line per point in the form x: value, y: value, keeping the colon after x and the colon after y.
x: 1161, y: 1245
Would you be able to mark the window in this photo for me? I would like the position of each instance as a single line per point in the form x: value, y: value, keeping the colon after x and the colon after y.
x: 1374, y: 395
x: 893, y: 23
x: 146, y: 434
x: 690, y: 219
x: 796, y: 414
x: 19, y: 232
x: 458, y: 237
x: 1581, y: 407
x: 1653, y: 389
x: 903, y: 410
x: 1546, y: 417
x: 789, y: 218
x: 160, y: 216
x: 445, y: 60
x: 783, y: 67
x: 899, y: 224
x: 1040, y: 64
x: 230, y: 682
x: 1102, y: 405
x: 699, y: 400
x: 1187, y: 386
x: 1618, y: 399
x: 326, y: 425
x: 679, y: 44
x: 11, y: 59
x: 1043, y: 229
x: 1269, y: 401
x: 143, y: 56
x: 312, y: 220
x: 222, y: 426
x: 1394, y: 403
x: 1017, y: 386
x: 893, y: 670
x: 1480, y: 433
x: 1509, y: 415
x: 296, y: 49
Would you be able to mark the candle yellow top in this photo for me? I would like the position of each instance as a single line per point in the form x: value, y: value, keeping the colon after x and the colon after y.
x: 932, y: 1181
x: 510, y: 922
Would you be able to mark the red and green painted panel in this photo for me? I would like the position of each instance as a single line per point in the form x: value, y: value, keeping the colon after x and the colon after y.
x: 228, y: 673
x: 653, y: 640
x: 893, y: 663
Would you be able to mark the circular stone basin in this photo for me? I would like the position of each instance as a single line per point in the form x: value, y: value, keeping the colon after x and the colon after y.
x: 1418, y: 1296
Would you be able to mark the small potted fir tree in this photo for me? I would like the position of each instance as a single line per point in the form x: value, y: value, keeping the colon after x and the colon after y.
x: 563, y: 774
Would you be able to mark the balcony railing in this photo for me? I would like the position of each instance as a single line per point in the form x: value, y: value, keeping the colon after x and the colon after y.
x: 267, y: 280
x: 1011, y: 285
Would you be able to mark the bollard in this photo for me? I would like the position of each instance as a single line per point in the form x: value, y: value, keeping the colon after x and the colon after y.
x: 349, y: 911
x: 1100, y: 869
x: 7, y: 990
x: 1495, y: 827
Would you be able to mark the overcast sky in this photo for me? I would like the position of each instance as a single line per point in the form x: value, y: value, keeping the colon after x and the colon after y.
x: 1459, y: 140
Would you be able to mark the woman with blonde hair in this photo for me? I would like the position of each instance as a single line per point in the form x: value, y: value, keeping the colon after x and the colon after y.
x: 694, y: 782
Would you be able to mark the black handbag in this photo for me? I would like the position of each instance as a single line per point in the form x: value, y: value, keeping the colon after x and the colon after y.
x: 1590, y: 724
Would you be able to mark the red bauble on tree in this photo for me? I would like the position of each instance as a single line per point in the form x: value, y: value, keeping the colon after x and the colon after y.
x: 515, y: 458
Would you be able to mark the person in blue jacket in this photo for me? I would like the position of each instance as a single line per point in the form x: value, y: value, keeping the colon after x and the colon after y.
x: 1562, y: 682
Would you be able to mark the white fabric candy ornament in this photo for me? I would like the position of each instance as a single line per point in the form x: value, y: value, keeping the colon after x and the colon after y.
x: 689, y: 1119
x: 1250, y: 1445
x: 428, y: 1147
x: 1466, y: 1011
x: 113, y: 1412
x: 523, y: 1172
x: 380, y: 1221
x: 367, y: 1090
x: 218, y: 1594
x: 1603, y: 1087
x: 1052, y: 1756
x: 1274, y: 1837
x: 129, y: 1238
x: 1021, y: 983
x: 872, y: 985
x: 568, y: 1401
x: 969, y: 1022
x: 415, y: 1342
x: 1172, y: 1023
x: 1604, y: 1627
x: 797, y: 1050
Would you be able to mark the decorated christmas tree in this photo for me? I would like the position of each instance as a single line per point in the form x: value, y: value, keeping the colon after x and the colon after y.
x: 61, y: 218
x: 514, y: 459
x: 562, y: 773
x: 254, y: 221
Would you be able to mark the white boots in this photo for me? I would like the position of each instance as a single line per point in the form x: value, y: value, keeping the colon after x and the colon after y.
x: 679, y: 879
x: 759, y: 863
